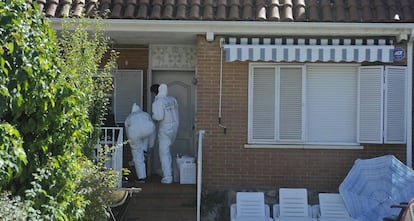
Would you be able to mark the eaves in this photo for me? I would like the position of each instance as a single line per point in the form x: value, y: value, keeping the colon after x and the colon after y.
x: 132, y: 31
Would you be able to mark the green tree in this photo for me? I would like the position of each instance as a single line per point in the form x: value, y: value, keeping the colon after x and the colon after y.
x: 47, y: 116
x: 83, y: 48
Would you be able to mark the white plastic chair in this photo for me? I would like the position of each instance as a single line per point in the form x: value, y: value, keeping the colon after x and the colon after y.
x: 293, y: 205
x: 120, y: 198
x: 409, y: 213
x: 411, y: 209
x: 250, y: 206
x: 332, y: 208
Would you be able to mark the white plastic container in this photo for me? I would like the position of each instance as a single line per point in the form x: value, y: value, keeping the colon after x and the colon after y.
x: 186, y: 169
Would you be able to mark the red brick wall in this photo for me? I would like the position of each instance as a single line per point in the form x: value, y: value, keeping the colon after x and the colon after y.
x: 226, y: 163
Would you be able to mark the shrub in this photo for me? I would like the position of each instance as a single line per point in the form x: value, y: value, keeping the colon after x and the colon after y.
x: 12, y: 208
x: 47, y: 118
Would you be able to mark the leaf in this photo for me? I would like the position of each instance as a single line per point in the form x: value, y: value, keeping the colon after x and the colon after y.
x: 10, y: 47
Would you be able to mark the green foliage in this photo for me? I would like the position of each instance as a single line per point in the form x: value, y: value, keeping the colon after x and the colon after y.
x: 12, y: 208
x: 83, y: 48
x: 94, y: 185
x: 54, y: 194
x: 42, y: 107
x: 12, y: 155
x: 49, y: 106
x: 37, y: 101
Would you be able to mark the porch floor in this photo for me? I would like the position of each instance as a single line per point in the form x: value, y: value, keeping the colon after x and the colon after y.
x: 162, y: 202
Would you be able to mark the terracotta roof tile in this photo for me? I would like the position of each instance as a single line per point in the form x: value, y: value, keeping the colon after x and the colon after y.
x: 41, y: 4
x: 287, y: 14
x: 130, y: 9
x: 300, y: 10
x: 261, y: 10
x: 182, y: 6
x: 234, y: 10
x: 247, y: 13
x: 51, y: 8
x: 78, y: 8
x: 366, y: 11
x: 339, y: 8
x: 105, y: 7
x: 167, y: 13
x: 381, y: 12
x: 156, y: 9
x: 221, y: 10
x: 117, y: 9
x: 90, y: 9
x: 237, y: 10
x: 195, y: 9
x: 65, y: 8
x: 326, y: 11
x: 407, y: 13
x: 143, y: 9
x: 208, y: 10
x: 274, y: 10
x: 393, y: 12
x: 354, y: 13
x: 313, y: 10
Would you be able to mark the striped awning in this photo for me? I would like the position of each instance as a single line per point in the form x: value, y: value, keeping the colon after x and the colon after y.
x: 307, y: 49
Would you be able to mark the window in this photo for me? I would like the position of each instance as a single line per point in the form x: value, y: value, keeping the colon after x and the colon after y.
x: 326, y: 104
x: 128, y: 90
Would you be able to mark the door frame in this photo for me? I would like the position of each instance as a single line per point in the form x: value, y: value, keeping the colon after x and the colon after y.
x: 159, y: 55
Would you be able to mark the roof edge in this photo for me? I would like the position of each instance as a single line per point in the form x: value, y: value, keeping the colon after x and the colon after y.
x: 263, y: 28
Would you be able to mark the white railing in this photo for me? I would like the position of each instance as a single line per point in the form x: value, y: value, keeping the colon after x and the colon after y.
x: 199, y: 170
x: 112, y: 137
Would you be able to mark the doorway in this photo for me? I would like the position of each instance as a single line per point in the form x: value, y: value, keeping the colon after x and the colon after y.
x: 181, y: 86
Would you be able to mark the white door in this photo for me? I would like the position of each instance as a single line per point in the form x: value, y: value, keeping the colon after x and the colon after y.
x: 180, y: 85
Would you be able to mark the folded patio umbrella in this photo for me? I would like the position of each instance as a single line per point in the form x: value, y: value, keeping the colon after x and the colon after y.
x: 373, y: 185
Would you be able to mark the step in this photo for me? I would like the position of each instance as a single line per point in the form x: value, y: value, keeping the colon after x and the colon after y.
x: 159, y: 202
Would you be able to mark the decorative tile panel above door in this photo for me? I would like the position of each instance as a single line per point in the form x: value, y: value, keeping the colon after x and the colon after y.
x: 178, y: 57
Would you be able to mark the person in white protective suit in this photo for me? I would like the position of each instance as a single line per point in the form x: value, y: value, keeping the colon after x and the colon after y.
x: 140, y: 130
x: 165, y: 112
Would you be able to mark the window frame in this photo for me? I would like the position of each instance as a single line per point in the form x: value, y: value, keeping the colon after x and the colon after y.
x: 303, y: 143
x: 120, y: 109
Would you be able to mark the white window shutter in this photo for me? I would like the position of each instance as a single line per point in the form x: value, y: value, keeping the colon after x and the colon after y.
x: 395, y: 104
x: 290, y: 104
x: 262, y: 104
x: 370, y: 104
x: 331, y: 104
x: 128, y: 90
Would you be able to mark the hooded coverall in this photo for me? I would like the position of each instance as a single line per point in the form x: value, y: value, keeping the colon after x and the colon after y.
x: 165, y: 112
x: 140, y: 130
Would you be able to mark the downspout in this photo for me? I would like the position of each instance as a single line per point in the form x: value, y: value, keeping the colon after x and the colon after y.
x: 409, y: 98
x: 199, y: 172
x: 220, y: 88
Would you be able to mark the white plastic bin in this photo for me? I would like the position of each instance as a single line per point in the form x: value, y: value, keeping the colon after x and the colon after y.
x: 186, y: 170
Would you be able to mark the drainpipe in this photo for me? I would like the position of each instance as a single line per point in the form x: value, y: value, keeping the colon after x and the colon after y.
x: 199, y: 172
x: 220, y: 88
x: 409, y: 99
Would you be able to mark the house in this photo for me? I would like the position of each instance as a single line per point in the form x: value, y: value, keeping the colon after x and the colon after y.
x: 289, y: 92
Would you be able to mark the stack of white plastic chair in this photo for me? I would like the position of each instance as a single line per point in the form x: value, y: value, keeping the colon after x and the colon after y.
x: 293, y: 205
x: 332, y: 208
x: 250, y: 206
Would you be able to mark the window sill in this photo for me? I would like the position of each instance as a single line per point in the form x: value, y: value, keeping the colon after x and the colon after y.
x: 304, y: 146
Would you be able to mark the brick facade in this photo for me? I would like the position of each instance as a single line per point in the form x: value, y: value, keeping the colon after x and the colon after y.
x: 227, y: 164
